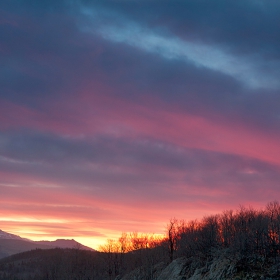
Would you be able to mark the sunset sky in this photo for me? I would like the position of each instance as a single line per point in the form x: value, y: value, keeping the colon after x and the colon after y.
x: 116, y: 116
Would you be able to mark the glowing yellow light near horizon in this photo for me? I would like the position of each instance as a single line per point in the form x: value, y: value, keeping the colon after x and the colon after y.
x: 42, y: 229
x: 92, y: 242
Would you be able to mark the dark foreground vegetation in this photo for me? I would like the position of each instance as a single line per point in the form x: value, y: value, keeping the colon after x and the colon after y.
x: 248, y: 239
x: 55, y: 264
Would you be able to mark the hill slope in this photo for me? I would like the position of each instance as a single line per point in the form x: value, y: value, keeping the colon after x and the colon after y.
x: 56, y: 263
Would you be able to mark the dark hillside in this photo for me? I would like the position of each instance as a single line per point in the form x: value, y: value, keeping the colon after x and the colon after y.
x: 53, y: 264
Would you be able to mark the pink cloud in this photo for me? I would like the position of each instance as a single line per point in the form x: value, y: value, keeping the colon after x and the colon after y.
x: 96, y: 112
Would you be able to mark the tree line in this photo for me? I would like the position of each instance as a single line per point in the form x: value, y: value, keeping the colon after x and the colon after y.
x: 132, y: 250
x: 243, y: 233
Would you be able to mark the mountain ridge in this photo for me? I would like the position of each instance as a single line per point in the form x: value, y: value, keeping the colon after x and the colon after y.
x: 65, y: 243
x: 11, y: 244
x: 7, y: 235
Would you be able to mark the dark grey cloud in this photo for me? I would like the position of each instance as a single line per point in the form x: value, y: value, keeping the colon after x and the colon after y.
x: 110, y: 166
x: 47, y: 55
x: 35, y: 57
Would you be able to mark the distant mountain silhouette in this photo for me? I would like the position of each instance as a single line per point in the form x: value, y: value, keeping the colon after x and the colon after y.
x: 64, y: 243
x: 7, y: 235
x: 12, y: 244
